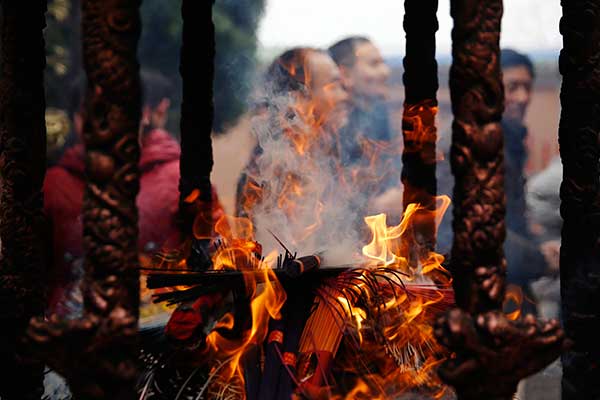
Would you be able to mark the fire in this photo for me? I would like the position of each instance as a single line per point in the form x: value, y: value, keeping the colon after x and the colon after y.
x: 514, y: 298
x: 388, y: 327
x: 395, y: 329
x: 263, y: 290
x: 378, y: 312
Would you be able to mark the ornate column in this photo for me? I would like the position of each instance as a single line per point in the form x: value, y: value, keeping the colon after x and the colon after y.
x: 197, y: 75
x: 98, y: 352
x: 22, y: 169
x: 476, y: 156
x: 492, y: 352
x: 579, y: 138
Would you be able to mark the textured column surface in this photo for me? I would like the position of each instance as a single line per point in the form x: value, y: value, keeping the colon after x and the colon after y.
x: 492, y: 353
x: 22, y: 169
x: 197, y: 117
x: 476, y: 157
x: 579, y: 137
x: 98, y: 352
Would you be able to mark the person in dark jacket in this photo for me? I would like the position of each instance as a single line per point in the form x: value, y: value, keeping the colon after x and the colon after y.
x: 370, y: 150
x: 524, y: 259
x: 364, y: 74
x: 157, y: 200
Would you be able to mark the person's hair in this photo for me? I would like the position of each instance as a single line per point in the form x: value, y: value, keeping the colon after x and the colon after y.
x: 344, y: 51
x: 512, y: 58
x: 155, y: 87
x: 287, y: 72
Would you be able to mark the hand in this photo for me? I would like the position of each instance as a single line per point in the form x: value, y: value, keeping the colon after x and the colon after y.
x: 551, y: 252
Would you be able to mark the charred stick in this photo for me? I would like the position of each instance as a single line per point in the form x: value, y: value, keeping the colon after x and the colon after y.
x: 300, y: 305
x: 273, y: 363
x: 293, y: 268
x: 252, y: 372
x: 242, y: 323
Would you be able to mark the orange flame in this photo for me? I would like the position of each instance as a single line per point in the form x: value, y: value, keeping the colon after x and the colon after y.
x: 513, y: 299
x: 406, y: 322
x: 393, y: 327
x: 263, y: 290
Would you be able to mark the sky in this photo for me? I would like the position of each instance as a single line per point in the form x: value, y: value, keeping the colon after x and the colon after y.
x: 527, y: 25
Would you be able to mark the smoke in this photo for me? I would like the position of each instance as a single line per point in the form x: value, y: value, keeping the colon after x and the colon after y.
x: 306, y: 199
x: 236, y: 23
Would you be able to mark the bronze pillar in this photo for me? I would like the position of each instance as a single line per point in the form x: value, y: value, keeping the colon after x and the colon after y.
x: 492, y: 352
x: 22, y: 169
x: 98, y: 353
x: 579, y: 138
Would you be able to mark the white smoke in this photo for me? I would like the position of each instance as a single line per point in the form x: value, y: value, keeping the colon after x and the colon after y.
x: 306, y: 202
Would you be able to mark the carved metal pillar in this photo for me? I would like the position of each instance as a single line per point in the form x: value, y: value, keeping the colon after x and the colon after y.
x: 492, y: 353
x: 196, y: 143
x: 98, y: 352
x: 476, y: 156
x: 418, y: 121
x: 579, y: 137
x: 22, y: 169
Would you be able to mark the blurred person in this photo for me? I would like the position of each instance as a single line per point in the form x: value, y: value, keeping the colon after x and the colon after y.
x: 300, y: 76
x: 525, y: 262
x: 369, y: 149
x: 364, y: 75
x: 157, y: 199
x: 522, y: 248
x: 517, y: 76
x: 543, y: 199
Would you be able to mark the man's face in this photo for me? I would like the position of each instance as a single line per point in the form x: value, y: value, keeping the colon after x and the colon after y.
x: 369, y: 74
x: 328, y: 95
x: 517, y: 92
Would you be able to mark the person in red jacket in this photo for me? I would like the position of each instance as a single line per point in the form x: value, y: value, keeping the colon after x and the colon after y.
x: 157, y: 200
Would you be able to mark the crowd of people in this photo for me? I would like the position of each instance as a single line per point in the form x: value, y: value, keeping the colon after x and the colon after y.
x: 346, y: 87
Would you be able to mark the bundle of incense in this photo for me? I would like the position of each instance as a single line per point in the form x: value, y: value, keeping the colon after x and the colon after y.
x: 273, y: 362
x: 320, y: 342
x: 226, y: 278
x: 252, y: 372
x: 190, y: 285
x: 301, y: 301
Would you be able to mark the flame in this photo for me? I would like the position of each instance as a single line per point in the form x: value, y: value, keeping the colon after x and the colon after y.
x: 393, y: 330
x: 263, y: 290
x: 513, y: 299
x: 401, y: 283
x: 405, y: 322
